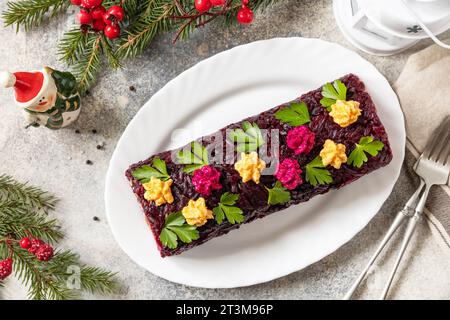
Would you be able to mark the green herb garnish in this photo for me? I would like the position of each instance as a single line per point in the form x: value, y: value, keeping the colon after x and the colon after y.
x: 227, y: 209
x: 194, y: 159
x: 316, y: 174
x: 145, y: 173
x: 176, y: 228
x: 278, y: 194
x: 249, y: 138
x: 366, y: 145
x: 333, y: 92
x: 295, y: 115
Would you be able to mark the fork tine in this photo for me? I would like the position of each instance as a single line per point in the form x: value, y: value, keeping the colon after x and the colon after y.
x: 436, y: 138
x: 437, y: 155
x: 446, y: 158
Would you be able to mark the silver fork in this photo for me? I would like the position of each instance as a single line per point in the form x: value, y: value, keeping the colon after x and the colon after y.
x: 433, y: 166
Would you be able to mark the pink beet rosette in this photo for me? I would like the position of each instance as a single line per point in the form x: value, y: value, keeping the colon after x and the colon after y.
x: 289, y: 173
x: 300, y: 139
x: 205, y: 180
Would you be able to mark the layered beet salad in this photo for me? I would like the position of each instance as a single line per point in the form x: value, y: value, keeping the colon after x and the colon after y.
x: 321, y: 141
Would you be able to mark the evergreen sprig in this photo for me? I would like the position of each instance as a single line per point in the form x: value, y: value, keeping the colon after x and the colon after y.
x: 24, y: 212
x: 86, y: 51
x: 31, y: 13
x: 11, y: 190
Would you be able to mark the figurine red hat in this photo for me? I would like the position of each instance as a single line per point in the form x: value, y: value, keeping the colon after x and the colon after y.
x: 27, y: 85
x: 47, y: 97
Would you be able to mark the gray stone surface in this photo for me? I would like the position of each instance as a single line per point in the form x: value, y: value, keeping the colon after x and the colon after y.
x: 57, y: 162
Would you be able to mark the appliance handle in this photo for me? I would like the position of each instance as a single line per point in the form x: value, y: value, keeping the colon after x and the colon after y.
x: 424, y: 27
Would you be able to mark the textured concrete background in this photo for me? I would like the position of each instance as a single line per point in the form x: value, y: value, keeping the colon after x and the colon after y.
x: 57, y: 162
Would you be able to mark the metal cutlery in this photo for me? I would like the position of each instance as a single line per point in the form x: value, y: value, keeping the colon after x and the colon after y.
x: 433, y: 167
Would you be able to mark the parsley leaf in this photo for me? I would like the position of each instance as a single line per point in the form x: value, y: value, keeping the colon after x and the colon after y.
x: 194, y: 159
x: 295, y: 115
x: 366, y: 145
x: 145, y: 173
x: 227, y: 209
x: 278, y: 194
x: 175, y: 227
x: 333, y: 92
x: 249, y: 138
x: 316, y: 174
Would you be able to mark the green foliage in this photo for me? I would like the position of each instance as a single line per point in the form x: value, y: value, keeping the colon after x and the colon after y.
x: 296, y: 114
x: 175, y: 227
x: 227, y: 208
x: 366, y: 145
x: 86, y: 52
x: 24, y: 212
x: 278, y: 194
x: 316, y: 172
x: 249, y: 138
x: 145, y: 173
x: 88, y: 64
x: 32, y: 13
x: 333, y: 92
x: 193, y: 159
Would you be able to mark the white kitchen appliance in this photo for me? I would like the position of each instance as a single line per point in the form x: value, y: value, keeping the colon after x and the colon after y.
x: 385, y: 27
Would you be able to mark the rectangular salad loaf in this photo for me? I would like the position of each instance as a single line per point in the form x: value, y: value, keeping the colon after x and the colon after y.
x: 318, y: 142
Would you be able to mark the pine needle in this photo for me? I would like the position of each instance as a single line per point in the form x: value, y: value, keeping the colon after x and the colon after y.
x: 155, y: 19
x: 23, y: 193
x: 31, y: 13
x: 72, y: 45
x: 88, y: 65
x: 22, y: 213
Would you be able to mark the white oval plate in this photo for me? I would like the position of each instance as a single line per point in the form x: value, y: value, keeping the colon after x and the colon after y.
x: 225, y: 88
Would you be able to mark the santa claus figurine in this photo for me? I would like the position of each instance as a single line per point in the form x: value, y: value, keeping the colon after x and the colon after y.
x: 48, y: 97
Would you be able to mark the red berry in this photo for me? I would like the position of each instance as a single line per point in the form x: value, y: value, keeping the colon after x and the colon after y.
x: 25, y: 243
x: 35, y: 245
x: 84, y: 17
x: 44, y: 253
x: 98, y: 25
x: 112, y: 32
x: 5, y: 268
x: 89, y: 4
x: 202, y: 5
x: 98, y: 12
x: 245, y: 2
x: 75, y: 2
x: 217, y: 3
x: 117, y: 12
x: 245, y: 15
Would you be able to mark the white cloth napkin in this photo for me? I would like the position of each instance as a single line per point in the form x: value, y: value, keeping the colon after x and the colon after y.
x: 424, y: 92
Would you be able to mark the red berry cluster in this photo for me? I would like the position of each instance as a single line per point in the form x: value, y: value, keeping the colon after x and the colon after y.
x: 244, y: 16
x: 43, y: 252
x: 5, y: 268
x: 95, y: 15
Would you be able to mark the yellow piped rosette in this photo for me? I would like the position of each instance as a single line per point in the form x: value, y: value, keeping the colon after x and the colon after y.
x: 196, y: 213
x: 333, y: 154
x: 250, y: 167
x: 158, y: 191
x: 344, y: 113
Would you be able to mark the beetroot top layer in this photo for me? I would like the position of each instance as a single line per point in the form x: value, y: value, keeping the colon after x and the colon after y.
x: 252, y: 196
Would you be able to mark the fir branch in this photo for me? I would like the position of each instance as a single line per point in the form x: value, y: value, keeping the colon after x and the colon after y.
x: 20, y: 217
x: 88, y: 65
x: 111, y: 56
x: 16, y: 220
x: 72, y: 45
x: 97, y: 280
x: 23, y: 193
x: 31, y: 13
x: 155, y: 19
